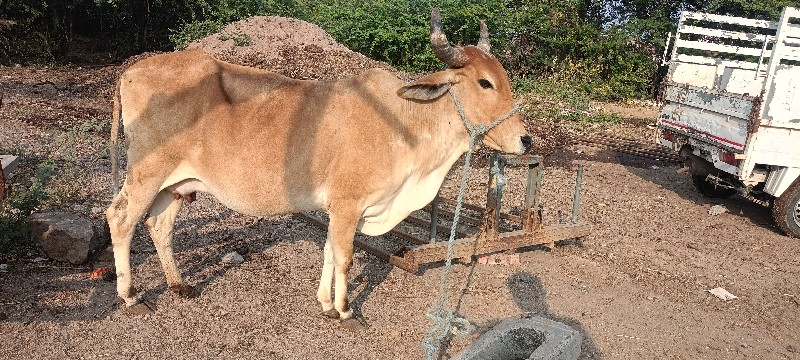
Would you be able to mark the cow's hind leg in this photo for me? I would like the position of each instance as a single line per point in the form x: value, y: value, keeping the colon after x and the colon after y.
x: 127, y: 208
x: 161, y: 223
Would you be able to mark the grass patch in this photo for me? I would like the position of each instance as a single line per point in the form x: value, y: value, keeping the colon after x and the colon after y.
x: 239, y: 39
x: 192, y: 31
x: 59, y: 181
x: 14, y: 212
x: 561, y: 102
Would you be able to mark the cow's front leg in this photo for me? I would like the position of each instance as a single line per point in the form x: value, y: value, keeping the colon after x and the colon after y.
x: 326, y: 281
x: 341, y: 233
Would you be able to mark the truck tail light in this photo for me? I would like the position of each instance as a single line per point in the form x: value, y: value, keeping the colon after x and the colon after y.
x: 666, y: 135
x: 729, y: 158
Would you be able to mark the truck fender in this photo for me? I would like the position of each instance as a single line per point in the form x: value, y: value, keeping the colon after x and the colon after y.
x: 780, y: 178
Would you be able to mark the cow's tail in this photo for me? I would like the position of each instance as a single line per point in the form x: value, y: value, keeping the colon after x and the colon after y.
x: 116, y: 120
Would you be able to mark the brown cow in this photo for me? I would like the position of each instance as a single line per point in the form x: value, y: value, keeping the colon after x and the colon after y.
x: 368, y: 150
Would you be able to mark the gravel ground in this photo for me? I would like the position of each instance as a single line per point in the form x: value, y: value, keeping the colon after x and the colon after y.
x: 635, y: 288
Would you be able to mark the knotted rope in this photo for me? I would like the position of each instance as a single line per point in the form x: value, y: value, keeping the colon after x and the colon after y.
x: 443, y: 319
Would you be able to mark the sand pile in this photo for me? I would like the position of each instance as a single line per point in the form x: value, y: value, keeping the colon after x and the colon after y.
x: 291, y: 47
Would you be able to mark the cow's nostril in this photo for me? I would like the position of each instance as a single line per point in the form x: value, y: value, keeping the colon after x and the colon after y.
x: 527, y: 141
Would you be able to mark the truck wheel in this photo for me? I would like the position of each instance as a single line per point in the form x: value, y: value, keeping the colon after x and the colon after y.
x: 709, y: 189
x: 786, y: 211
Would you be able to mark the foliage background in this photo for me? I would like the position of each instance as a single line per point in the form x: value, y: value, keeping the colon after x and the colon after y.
x: 607, y: 48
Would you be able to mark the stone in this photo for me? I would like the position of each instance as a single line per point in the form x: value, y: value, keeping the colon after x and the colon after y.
x: 9, y: 163
x: 232, y: 258
x: 717, y: 210
x: 535, y: 338
x: 64, y: 236
x: 106, y: 255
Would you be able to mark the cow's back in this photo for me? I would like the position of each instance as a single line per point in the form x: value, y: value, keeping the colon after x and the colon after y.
x: 264, y: 144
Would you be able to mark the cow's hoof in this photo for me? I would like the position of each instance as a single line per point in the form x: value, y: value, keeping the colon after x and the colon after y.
x: 138, y: 309
x: 354, y: 323
x: 185, y: 291
x: 331, y: 314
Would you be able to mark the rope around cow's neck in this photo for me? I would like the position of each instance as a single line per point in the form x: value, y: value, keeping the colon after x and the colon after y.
x: 442, y: 317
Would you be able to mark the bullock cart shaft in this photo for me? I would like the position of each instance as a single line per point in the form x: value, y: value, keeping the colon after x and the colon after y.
x: 481, y: 230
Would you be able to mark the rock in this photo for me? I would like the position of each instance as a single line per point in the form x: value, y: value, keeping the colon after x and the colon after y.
x: 64, y: 236
x: 717, y: 210
x: 232, y: 257
x: 3, y: 267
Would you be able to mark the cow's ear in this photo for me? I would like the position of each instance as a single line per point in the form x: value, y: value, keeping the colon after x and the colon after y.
x: 427, y: 88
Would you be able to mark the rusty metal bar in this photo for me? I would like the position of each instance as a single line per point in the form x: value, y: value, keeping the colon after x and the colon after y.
x: 407, y: 237
x: 521, y: 159
x: 434, y: 206
x: 467, y: 206
x: 444, y: 213
x: 396, y: 233
x: 374, y: 250
x: 468, y: 220
x: 451, y: 202
x: 532, y: 216
x: 467, y: 247
x: 425, y: 223
x: 576, y: 198
x: 494, y: 197
x: 386, y: 256
x: 471, y: 220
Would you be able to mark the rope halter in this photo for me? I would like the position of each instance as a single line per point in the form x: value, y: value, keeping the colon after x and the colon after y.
x: 443, y: 319
x: 478, y: 131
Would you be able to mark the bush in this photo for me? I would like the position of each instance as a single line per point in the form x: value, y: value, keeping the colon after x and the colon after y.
x: 571, y: 38
x: 397, y: 32
x: 14, y: 212
x: 192, y: 31
x: 209, y: 16
x: 21, y: 44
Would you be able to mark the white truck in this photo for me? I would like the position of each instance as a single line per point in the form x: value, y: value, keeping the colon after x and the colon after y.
x: 732, y: 108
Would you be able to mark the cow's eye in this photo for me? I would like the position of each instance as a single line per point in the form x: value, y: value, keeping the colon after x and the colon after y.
x: 485, y: 84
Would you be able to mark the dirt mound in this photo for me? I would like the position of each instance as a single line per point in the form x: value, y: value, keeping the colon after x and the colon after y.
x: 291, y: 47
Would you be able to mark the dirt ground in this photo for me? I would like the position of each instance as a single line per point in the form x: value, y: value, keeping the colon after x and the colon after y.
x: 635, y: 288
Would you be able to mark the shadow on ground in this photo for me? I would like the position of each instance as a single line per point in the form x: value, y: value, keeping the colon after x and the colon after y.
x: 664, y: 174
x: 50, y: 291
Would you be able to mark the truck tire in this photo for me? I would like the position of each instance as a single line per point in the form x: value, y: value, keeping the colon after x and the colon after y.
x: 709, y: 189
x: 786, y: 211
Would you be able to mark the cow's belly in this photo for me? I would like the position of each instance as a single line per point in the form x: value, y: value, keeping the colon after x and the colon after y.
x: 257, y: 196
x: 412, y: 195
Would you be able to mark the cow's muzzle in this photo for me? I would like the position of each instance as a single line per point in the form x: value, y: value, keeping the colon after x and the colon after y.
x: 527, y: 142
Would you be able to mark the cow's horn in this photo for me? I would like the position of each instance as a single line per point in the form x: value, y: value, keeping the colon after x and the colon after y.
x: 483, y: 43
x: 451, y: 56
